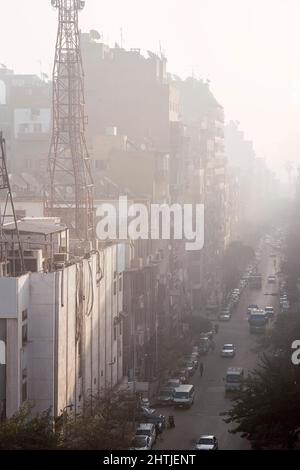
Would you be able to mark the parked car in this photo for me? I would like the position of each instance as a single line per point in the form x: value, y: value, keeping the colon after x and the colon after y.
x: 141, y: 443
x: 228, y: 350
x: 195, y: 355
x: 165, y: 396
x: 204, y: 345
x: 271, y: 279
x: 147, y: 430
x: 285, y: 306
x: 182, y: 375
x: 207, y: 443
x: 158, y: 420
x: 188, y: 364
x: 194, y: 361
x: 252, y: 307
x: 145, y: 402
x: 269, y: 311
x: 173, y: 382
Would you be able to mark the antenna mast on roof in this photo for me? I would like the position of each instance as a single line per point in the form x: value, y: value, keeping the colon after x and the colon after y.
x: 71, y: 192
x: 8, y: 245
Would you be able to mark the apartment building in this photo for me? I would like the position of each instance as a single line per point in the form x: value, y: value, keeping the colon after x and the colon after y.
x: 25, y: 119
x: 61, y: 324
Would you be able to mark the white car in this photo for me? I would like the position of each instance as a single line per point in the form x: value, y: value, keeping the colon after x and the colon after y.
x: 141, y: 443
x: 146, y: 430
x: 207, y: 443
x: 228, y: 350
x: 269, y: 311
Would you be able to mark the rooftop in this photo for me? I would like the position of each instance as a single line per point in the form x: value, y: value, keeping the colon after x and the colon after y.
x: 37, y: 227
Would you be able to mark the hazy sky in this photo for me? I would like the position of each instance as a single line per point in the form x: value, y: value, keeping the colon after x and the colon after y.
x: 249, y: 49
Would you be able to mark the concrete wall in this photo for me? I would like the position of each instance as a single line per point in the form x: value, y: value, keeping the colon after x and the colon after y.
x: 79, y: 302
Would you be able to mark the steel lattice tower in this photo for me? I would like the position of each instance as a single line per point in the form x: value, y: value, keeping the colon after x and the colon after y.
x: 71, y: 184
x: 7, y: 245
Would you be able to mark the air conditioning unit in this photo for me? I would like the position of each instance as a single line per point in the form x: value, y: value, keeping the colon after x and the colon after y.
x: 60, y: 258
x: 137, y: 263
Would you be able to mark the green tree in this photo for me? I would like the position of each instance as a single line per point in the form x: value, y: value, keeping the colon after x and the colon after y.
x: 107, y: 423
x: 28, y: 431
x: 267, y: 410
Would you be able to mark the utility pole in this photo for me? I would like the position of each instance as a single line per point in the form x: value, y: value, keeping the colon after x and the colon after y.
x: 17, y: 262
x: 71, y: 192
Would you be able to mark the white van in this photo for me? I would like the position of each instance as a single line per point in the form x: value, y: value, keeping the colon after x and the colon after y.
x: 234, y: 379
x: 184, y: 396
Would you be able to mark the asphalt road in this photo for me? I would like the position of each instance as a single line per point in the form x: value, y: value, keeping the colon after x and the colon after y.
x: 204, y: 416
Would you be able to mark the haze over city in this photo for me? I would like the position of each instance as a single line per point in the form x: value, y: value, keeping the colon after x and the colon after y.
x: 149, y: 229
x: 248, y: 50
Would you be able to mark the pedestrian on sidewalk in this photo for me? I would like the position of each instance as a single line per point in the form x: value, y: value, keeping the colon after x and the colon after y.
x: 212, y: 346
x: 201, y: 368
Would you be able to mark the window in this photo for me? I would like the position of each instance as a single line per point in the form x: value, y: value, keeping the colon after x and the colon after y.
x: 120, y: 283
x: 24, y: 335
x: 24, y: 315
x: 24, y: 391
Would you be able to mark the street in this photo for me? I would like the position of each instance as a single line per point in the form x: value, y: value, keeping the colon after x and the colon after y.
x: 204, y: 416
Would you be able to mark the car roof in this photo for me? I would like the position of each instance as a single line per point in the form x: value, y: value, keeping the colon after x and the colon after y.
x: 234, y: 370
x: 147, y: 426
x: 184, y: 388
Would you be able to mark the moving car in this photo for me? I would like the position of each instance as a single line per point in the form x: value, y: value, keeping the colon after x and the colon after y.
x: 141, y: 443
x: 234, y: 379
x: 258, y: 320
x: 207, y: 443
x: 147, y: 430
x: 225, y: 317
x: 228, y: 350
x: 184, y: 396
